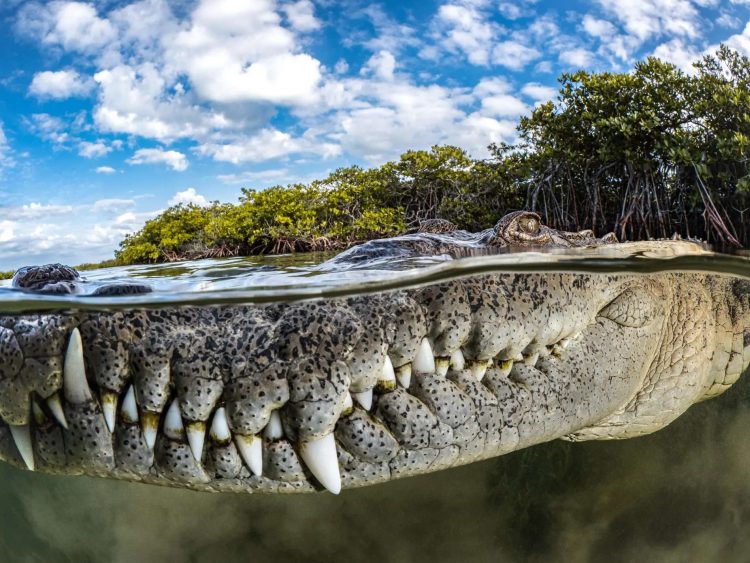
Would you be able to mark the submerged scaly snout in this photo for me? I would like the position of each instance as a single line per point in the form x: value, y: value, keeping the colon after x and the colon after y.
x: 347, y: 392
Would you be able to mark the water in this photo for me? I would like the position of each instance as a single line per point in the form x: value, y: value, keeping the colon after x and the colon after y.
x: 681, y: 494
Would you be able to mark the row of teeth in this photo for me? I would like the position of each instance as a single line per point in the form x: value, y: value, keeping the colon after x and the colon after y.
x: 319, y: 455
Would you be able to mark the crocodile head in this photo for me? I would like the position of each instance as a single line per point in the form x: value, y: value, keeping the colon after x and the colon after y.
x: 360, y: 390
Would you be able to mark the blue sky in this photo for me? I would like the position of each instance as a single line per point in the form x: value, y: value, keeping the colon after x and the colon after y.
x: 111, y: 111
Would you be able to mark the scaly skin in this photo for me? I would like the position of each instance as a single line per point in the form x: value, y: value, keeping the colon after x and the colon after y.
x: 351, y: 392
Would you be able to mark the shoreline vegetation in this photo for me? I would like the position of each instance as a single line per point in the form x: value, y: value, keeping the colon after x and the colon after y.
x: 646, y: 154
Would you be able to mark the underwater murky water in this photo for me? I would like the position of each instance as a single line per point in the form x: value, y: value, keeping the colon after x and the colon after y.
x: 682, y: 494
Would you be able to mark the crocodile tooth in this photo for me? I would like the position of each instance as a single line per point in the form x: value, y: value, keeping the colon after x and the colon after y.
x: 55, y: 407
x: 196, y: 434
x: 348, y: 405
x: 274, y: 430
x: 531, y: 359
x: 364, y: 398
x: 22, y: 437
x: 321, y: 458
x: 403, y: 374
x: 109, y: 408
x: 220, y: 427
x: 441, y: 365
x: 129, y: 407
x: 251, y: 450
x: 150, y: 427
x: 457, y: 360
x: 505, y: 367
x: 479, y: 368
x: 387, y: 381
x: 425, y: 361
x: 74, y: 373
x: 173, y: 427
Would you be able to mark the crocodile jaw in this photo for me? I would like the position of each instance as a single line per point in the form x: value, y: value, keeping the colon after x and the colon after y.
x: 351, y: 392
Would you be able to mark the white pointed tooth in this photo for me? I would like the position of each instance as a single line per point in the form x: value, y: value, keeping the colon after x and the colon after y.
x: 56, y: 408
x: 323, y: 462
x: 425, y: 361
x: 442, y: 365
x: 403, y: 374
x: 220, y: 427
x: 387, y: 380
x: 129, y: 410
x: 251, y: 450
x: 75, y: 386
x: 196, y: 435
x: 173, y: 427
x: 364, y: 398
x: 478, y: 368
x: 348, y: 404
x: 109, y: 408
x: 457, y: 360
x: 274, y: 430
x: 22, y: 437
x: 149, y: 427
x: 505, y: 367
x: 531, y: 359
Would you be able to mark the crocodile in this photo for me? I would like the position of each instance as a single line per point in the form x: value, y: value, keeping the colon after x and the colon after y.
x: 330, y: 393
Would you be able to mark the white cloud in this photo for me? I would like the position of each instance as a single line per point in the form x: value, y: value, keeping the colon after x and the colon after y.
x: 75, y: 26
x: 6, y: 160
x: 301, y: 15
x: 741, y: 41
x: 679, y: 53
x: 111, y: 204
x: 599, y: 28
x: 35, y: 210
x: 513, y: 55
x: 96, y: 149
x: 644, y: 19
x: 578, y: 57
x: 105, y: 170
x: 188, y: 196
x: 49, y: 127
x: 59, y: 84
x: 381, y: 65
x: 238, y: 51
x: 267, y: 144
x: 503, y: 105
x: 539, y: 92
x: 467, y: 30
x: 510, y: 10
x: 174, y: 159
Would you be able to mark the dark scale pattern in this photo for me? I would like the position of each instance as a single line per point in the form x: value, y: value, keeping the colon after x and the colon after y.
x: 409, y: 327
x: 223, y: 462
x: 150, y: 355
x: 317, y: 389
x: 489, y: 323
x: 174, y: 461
x: 131, y: 452
x: 408, y: 418
x: 447, y: 314
x: 281, y: 463
x: 106, y: 341
x: 49, y: 446
x: 358, y: 472
x: 444, y: 398
x: 366, y: 438
x: 88, y: 443
x: 251, y: 398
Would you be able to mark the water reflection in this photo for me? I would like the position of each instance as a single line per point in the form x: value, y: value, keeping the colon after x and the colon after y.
x: 682, y: 494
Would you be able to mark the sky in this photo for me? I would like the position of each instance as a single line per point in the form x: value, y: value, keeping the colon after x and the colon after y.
x: 112, y: 111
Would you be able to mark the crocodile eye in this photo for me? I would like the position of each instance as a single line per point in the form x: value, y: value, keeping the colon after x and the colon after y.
x: 529, y: 224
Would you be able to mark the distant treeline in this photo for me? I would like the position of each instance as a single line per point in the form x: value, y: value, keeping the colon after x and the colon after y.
x: 646, y: 154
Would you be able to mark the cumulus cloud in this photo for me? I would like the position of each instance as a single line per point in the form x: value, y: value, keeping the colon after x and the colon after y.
x: 173, y: 159
x: 514, y: 55
x: 59, y: 84
x: 539, y: 92
x: 466, y: 30
x: 88, y: 149
x: 112, y: 204
x: 189, y: 195
x: 644, y: 19
x: 105, y: 170
x: 301, y: 16
x: 267, y: 144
